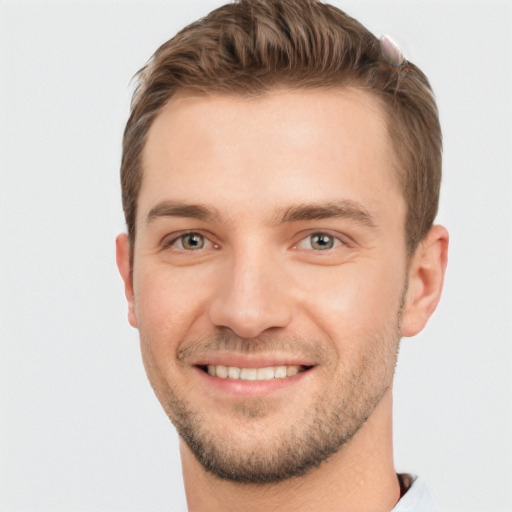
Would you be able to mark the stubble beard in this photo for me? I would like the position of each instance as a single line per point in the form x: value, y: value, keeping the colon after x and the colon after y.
x: 310, y: 437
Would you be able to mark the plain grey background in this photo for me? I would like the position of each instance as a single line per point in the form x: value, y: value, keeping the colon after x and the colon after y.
x: 80, y: 429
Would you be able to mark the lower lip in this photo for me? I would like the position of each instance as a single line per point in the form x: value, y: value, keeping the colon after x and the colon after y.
x: 251, y: 388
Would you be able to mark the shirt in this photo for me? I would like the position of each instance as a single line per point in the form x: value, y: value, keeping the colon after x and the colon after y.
x: 417, y: 498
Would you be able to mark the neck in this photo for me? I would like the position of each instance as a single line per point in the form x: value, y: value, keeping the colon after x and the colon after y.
x: 360, y: 477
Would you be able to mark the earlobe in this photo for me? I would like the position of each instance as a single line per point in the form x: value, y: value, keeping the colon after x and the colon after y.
x: 426, y: 277
x: 123, y: 264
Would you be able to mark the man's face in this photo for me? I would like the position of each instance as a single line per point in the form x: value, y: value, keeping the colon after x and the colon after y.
x: 269, y: 274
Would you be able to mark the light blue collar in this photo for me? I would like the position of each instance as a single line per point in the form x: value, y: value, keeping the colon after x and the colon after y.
x: 417, y: 498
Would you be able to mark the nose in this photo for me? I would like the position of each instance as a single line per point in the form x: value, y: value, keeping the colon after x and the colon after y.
x: 251, y: 296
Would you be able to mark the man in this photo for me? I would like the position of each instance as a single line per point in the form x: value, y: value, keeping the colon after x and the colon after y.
x: 280, y: 178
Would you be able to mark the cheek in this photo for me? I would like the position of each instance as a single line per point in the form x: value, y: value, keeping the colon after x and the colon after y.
x: 355, y: 299
x: 358, y: 313
x: 168, y: 304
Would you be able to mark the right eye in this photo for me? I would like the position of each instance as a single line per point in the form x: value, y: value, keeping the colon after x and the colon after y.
x: 320, y: 241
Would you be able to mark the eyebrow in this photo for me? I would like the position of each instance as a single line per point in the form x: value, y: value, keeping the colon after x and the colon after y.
x: 336, y: 209
x: 176, y: 209
x: 301, y: 212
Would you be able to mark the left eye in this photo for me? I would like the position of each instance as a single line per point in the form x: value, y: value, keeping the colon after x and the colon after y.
x: 318, y: 242
x: 189, y: 242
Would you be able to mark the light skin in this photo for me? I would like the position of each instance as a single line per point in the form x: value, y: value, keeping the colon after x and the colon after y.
x: 270, y: 233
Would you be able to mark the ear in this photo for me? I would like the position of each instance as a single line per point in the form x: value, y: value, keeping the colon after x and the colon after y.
x: 123, y: 264
x: 426, y: 277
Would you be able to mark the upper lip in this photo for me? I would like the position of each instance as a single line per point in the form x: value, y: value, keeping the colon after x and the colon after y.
x: 251, y: 361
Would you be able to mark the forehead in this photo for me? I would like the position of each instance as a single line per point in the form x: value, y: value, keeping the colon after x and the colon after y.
x: 250, y: 154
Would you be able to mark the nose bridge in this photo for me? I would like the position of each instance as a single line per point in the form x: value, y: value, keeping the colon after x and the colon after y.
x: 251, y: 297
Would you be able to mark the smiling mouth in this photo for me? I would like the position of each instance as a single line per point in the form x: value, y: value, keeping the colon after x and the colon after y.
x: 267, y: 373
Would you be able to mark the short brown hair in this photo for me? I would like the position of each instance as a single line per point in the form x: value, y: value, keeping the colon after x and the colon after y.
x: 253, y: 46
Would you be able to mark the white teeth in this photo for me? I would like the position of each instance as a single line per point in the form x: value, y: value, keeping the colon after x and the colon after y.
x: 280, y: 372
x: 233, y: 372
x: 248, y: 373
x: 292, y: 370
x: 221, y: 371
x: 265, y: 373
x: 268, y: 373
